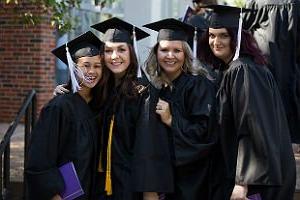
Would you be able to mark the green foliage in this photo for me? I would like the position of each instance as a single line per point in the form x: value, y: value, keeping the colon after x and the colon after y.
x: 240, y: 3
x: 237, y: 3
x: 58, y: 9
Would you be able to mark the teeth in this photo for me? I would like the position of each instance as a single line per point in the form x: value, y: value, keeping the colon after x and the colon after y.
x: 170, y: 63
x: 116, y: 63
x: 90, y: 78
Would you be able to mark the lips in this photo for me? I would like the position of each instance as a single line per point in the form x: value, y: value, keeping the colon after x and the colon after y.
x: 170, y: 62
x: 116, y: 63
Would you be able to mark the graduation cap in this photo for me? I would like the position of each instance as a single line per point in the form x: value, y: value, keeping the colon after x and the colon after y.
x: 225, y: 16
x: 228, y: 17
x: 85, y: 45
x: 117, y: 30
x: 173, y: 29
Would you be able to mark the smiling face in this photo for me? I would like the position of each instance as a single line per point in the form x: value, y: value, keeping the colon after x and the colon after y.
x: 170, y: 57
x: 91, y: 69
x: 117, y: 57
x: 219, y: 42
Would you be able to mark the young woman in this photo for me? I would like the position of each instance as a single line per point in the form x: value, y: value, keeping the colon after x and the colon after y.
x: 67, y: 129
x: 183, y: 98
x: 123, y: 112
x: 254, y: 134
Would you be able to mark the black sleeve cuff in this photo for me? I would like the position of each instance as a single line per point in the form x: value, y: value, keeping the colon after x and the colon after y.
x: 43, y: 184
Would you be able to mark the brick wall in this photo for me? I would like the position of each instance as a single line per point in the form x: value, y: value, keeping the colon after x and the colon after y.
x: 26, y: 61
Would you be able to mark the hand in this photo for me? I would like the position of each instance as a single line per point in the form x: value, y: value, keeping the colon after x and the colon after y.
x: 56, y: 197
x: 150, y: 196
x: 60, y: 89
x: 163, y: 109
x: 239, y: 192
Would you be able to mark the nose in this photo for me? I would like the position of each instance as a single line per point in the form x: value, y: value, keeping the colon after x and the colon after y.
x: 216, y: 41
x: 114, y: 55
x: 170, y: 54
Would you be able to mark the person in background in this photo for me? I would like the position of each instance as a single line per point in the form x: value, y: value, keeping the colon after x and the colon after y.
x: 276, y: 27
x: 181, y: 96
x: 67, y: 129
x: 255, y: 148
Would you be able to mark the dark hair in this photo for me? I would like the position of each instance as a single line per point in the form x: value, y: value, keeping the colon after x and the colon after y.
x: 100, y: 91
x: 248, y: 47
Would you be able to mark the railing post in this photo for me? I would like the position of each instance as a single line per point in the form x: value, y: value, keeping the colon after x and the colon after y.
x: 28, y: 109
x: 6, y: 172
x: 1, y: 178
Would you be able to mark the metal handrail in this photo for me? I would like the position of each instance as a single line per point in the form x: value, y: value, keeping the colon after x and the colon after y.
x: 28, y: 109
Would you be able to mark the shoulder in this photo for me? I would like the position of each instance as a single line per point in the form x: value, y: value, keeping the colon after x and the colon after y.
x: 62, y: 103
x: 198, y: 80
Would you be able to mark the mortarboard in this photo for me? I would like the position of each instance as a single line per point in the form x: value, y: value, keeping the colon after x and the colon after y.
x: 224, y: 16
x: 227, y: 17
x: 117, y: 30
x: 85, y: 45
x: 171, y: 29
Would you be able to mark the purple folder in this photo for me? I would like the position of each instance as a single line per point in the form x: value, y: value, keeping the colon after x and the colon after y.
x: 255, y: 197
x: 73, y: 188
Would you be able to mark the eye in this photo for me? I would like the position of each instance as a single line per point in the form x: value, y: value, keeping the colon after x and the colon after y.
x: 212, y: 36
x: 177, y: 50
x: 108, y: 51
x: 225, y: 35
x: 163, y: 50
x: 98, y: 65
x: 122, y: 50
x: 86, y: 65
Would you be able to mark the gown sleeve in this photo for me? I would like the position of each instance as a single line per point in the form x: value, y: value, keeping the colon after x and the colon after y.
x: 42, y: 174
x: 190, y: 122
x: 257, y: 123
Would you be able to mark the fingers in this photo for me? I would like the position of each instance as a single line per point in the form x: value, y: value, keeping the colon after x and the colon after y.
x: 60, y: 89
x: 162, y: 105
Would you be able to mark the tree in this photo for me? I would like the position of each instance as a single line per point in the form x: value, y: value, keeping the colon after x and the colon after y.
x: 58, y: 9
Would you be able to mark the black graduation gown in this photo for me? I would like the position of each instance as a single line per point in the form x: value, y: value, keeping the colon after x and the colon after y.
x: 66, y: 131
x: 141, y: 160
x: 190, y: 100
x: 125, y: 111
x: 276, y: 27
x: 254, y: 133
x: 152, y: 165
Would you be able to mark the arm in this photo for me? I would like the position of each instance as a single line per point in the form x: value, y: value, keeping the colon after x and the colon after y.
x: 255, y: 120
x: 189, y: 120
x: 43, y: 178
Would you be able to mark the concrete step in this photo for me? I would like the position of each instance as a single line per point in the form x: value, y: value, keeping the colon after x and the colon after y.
x: 14, y: 192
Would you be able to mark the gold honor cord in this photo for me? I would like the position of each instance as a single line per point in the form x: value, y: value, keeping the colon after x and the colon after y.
x: 108, y: 185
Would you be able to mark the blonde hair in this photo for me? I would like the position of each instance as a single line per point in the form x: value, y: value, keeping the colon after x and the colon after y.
x: 159, y: 79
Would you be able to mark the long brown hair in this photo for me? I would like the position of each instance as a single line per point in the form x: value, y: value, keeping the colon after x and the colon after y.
x: 128, y: 83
